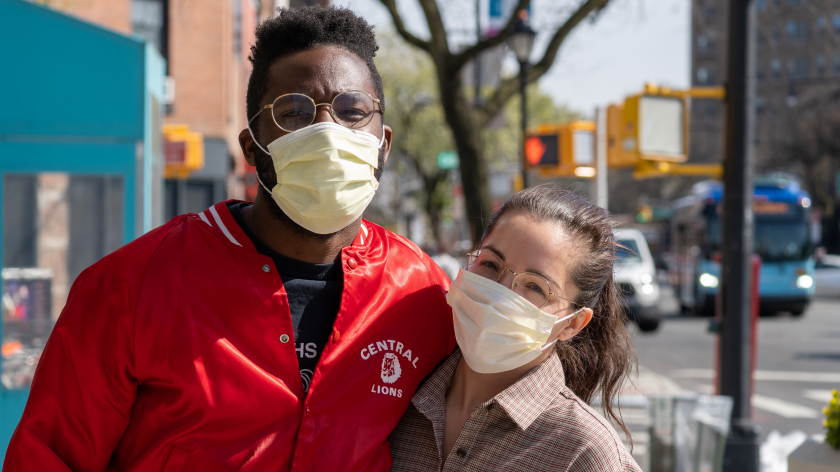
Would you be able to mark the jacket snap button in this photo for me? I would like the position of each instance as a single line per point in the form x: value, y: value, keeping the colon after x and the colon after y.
x: 336, y: 336
x: 266, y: 268
x: 284, y: 338
x: 351, y: 263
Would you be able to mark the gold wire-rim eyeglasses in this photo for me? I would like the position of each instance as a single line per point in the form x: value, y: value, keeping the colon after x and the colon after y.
x: 270, y: 106
x: 472, y: 257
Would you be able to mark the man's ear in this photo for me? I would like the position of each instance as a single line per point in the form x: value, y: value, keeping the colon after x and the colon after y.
x: 246, y: 143
x: 573, y: 325
x: 387, y: 143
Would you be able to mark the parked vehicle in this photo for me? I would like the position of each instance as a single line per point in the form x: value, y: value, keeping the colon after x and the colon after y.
x: 827, y: 276
x: 635, y: 274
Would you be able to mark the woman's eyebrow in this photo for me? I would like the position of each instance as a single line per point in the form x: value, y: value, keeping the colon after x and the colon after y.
x: 495, y: 251
x: 543, y: 275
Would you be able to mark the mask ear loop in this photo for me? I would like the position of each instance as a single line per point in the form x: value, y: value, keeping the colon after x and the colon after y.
x: 556, y: 322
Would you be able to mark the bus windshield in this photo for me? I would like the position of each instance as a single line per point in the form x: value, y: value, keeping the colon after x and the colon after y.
x: 774, y: 241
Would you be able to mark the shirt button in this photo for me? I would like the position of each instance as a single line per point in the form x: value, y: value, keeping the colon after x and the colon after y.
x: 284, y: 338
x: 266, y: 269
x: 461, y: 452
x: 351, y: 263
x: 336, y: 336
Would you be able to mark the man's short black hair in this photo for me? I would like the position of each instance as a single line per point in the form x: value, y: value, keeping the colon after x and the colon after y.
x: 304, y: 28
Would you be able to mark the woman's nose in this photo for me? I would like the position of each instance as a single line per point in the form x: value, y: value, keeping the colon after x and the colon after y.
x: 507, y: 279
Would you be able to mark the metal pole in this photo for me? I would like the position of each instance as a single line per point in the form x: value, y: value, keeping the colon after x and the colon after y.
x: 601, y: 191
x: 523, y: 81
x: 735, y: 364
x: 477, y: 61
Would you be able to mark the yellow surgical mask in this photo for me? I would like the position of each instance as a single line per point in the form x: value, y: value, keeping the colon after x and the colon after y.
x: 325, y: 175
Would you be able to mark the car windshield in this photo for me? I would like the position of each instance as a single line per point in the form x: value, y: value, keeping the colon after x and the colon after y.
x: 629, y: 254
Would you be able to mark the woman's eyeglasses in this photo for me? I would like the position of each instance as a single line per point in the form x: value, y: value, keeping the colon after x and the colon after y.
x: 530, y: 286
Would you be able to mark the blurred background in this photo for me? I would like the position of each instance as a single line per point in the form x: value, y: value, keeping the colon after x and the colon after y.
x: 117, y: 115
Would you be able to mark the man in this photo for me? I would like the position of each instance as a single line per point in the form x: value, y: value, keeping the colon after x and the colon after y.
x: 288, y: 334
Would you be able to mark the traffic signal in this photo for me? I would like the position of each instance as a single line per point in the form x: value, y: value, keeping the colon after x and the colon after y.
x: 562, y: 150
x: 616, y: 155
x: 645, y: 214
x: 183, y: 151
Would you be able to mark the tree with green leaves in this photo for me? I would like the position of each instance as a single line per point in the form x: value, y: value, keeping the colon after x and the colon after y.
x: 465, y: 120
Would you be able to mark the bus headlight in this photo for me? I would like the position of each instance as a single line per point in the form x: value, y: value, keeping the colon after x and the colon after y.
x: 708, y: 280
x: 804, y: 281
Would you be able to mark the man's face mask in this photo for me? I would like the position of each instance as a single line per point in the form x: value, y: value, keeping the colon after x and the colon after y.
x: 325, y: 171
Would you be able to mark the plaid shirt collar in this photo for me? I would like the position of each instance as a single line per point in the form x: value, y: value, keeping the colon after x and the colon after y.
x: 523, y: 401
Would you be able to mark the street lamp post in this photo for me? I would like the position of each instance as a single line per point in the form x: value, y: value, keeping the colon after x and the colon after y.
x: 522, y: 42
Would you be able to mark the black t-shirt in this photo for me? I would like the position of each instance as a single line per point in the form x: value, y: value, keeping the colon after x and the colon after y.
x: 314, y: 292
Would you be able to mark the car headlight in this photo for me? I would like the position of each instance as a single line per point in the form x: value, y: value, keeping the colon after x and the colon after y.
x: 708, y: 280
x: 647, y: 289
x: 804, y: 281
x: 646, y: 278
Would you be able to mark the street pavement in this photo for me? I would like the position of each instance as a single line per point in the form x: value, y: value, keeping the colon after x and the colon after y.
x: 798, y: 363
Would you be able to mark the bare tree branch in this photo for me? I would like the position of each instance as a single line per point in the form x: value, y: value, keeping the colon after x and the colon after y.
x: 460, y: 59
x: 391, y: 5
x: 510, y: 86
x: 439, y: 42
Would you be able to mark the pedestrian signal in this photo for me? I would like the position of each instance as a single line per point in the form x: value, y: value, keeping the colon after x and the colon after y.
x: 183, y: 151
x: 561, y: 150
x: 655, y: 125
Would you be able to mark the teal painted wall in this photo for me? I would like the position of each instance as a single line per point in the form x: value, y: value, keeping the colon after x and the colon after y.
x: 76, y: 98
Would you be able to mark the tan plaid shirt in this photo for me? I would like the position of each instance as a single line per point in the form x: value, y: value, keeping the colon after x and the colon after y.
x: 535, y: 425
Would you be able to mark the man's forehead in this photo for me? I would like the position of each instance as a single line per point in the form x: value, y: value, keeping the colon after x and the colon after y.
x: 321, y: 73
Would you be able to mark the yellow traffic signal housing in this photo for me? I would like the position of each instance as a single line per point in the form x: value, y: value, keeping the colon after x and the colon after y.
x: 655, y: 125
x: 562, y: 150
x: 616, y: 155
x: 183, y: 151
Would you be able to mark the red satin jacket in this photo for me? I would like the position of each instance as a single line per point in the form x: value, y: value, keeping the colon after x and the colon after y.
x: 175, y: 353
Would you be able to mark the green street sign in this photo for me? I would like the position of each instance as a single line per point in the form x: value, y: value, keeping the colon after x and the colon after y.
x: 448, y: 160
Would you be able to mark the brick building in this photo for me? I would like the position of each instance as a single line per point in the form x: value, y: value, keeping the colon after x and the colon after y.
x: 797, y: 65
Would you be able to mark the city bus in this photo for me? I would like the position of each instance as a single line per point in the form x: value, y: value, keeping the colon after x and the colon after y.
x: 782, y: 239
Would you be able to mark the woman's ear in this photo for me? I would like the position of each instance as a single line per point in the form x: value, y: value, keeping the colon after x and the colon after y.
x: 573, y: 325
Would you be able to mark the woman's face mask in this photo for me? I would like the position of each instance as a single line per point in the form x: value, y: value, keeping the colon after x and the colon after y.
x: 325, y: 175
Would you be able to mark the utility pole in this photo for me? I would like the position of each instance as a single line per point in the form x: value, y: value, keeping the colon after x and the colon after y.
x: 735, y: 364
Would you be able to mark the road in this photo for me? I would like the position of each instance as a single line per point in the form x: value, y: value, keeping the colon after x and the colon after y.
x: 798, y: 363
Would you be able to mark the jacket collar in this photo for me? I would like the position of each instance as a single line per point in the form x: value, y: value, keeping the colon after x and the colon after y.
x: 524, y: 401
x: 221, y: 222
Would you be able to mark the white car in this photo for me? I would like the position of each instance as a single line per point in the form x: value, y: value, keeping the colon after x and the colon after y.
x: 827, y: 276
x: 635, y: 274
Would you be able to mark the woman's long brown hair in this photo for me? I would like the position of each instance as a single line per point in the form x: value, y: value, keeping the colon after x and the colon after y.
x: 600, y: 358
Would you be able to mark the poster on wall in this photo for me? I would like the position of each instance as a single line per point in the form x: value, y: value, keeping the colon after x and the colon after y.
x: 26, y: 323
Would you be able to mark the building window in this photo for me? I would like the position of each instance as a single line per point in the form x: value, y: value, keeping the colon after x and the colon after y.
x: 761, y: 4
x: 835, y: 23
x: 775, y: 68
x: 759, y: 74
x: 776, y: 3
x: 760, y: 106
x: 835, y: 64
x: 148, y: 19
x: 774, y: 33
x: 702, y: 75
x: 819, y: 65
x: 703, y: 43
x: 797, y: 30
x: 819, y: 30
x: 797, y: 68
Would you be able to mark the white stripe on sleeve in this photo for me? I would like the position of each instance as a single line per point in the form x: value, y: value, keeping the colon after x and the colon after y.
x: 204, y: 219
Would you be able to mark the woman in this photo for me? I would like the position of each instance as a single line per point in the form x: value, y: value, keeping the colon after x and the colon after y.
x: 541, y: 331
